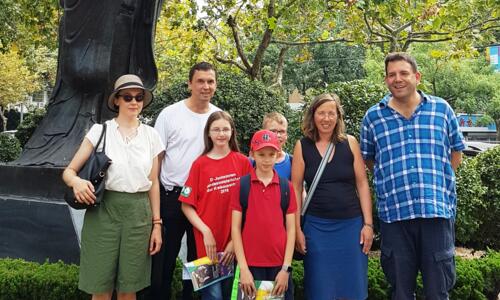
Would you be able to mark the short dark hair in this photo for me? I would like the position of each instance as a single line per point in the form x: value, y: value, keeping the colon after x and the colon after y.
x: 201, y: 66
x: 398, y: 56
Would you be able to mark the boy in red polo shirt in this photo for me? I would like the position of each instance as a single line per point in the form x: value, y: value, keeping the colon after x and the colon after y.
x: 264, y: 246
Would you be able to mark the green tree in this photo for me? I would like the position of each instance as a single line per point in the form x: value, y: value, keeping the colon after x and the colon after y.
x: 16, y: 82
x: 180, y: 42
x: 26, y: 22
x: 493, y: 110
x: 317, y: 66
x: 252, y: 26
x: 395, y: 25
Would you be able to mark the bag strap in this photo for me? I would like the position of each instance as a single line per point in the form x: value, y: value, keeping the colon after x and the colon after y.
x: 103, y: 136
x: 285, y: 197
x: 315, y: 181
x: 244, y: 191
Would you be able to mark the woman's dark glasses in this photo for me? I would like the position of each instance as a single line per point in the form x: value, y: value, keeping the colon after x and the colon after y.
x: 128, y: 98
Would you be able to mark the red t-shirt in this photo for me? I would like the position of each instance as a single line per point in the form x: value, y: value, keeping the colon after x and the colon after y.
x: 208, y: 189
x: 264, y: 236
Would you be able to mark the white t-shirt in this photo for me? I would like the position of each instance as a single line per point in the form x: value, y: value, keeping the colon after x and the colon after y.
x: 181, y: 130
x: 131, y: 162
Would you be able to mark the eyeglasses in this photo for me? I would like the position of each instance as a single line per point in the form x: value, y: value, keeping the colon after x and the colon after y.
x: 324, y: 115
x: 219, y: 130
x: 278, y: 132
x: 128, y: 98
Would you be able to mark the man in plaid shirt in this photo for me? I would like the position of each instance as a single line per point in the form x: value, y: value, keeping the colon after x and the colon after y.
x: 412, y: 144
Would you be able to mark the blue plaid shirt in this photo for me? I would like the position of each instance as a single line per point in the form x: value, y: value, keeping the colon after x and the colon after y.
x: 412, y: 159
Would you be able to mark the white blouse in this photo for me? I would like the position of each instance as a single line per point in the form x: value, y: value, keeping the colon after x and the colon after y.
x: 132, y: 161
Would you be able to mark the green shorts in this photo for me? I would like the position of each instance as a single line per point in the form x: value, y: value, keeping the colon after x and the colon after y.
x: 115, y: 244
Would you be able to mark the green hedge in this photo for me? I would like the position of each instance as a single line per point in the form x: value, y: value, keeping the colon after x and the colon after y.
x: 9, y: 148
x: 476, y: 279
x: 470, y: 204
x: 49, y: 281
x: 488, y: 166
x: 27, y: 127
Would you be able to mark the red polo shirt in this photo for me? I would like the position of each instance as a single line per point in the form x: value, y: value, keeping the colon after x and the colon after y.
x: 264, y: 236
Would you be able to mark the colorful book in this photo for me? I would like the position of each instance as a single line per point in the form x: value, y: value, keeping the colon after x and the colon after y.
x: 204, y: 272
x: 264, y: 290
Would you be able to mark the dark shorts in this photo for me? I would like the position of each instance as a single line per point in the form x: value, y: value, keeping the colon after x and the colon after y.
x: 425, y: 245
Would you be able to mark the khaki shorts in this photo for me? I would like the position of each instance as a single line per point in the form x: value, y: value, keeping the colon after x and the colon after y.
x: 115, y: 244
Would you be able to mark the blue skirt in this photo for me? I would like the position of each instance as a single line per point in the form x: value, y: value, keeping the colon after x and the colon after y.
x: 334, y: 267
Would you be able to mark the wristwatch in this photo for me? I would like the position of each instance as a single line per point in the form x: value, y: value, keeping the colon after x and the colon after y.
x: 286, y: 268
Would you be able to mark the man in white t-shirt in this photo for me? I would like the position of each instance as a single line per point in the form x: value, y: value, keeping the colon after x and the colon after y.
x: 180, y: 126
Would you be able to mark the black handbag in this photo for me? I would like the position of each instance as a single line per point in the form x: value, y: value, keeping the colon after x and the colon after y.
x: 296, y: 254
x: 94, y: 170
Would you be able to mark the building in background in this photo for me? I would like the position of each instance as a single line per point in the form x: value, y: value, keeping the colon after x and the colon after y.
x: 472, y: 131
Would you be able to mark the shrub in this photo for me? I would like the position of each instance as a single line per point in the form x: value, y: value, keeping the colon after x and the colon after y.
x: 488, y: 233
x: 469, y: 281
x: 49, y: 281
x: 247, y: 101
x: 476, y: 279
x: 297, y: 276
x: 470, y: 205
x: 28, y: 125
x: 9, y: 148
x: 378, y: 288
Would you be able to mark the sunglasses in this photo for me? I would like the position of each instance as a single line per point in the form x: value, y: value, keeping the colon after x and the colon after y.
x: 128, y: 98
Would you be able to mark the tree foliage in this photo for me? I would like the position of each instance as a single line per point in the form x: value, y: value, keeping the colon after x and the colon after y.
x: 396, y: 24
x: 26, y: 22
x: 179, y: 41
x: 317, y: 66
x: 251, y: 26
x: 16, y: 82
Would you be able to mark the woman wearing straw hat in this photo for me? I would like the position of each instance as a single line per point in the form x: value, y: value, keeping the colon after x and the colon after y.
x: 120, y: 235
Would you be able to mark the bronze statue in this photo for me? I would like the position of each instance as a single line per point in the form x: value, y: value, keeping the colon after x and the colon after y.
x: 99, y: 40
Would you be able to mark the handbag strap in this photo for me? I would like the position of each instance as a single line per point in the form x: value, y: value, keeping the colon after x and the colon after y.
x: 315, y: 181
x: 103, y: 136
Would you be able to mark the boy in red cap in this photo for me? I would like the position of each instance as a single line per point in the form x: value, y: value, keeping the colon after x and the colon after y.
x: 264, y: 242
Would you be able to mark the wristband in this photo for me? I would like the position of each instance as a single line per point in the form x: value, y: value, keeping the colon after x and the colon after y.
x: 158, y: 221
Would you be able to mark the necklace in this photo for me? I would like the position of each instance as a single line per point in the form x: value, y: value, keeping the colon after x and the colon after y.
x: 128, y: 134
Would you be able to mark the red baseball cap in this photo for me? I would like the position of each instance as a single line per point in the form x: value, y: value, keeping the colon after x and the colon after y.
x: 264, y: 138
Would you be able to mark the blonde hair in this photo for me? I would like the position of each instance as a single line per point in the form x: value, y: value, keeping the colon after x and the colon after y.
x: 274, y: 116
x: 309, y: 127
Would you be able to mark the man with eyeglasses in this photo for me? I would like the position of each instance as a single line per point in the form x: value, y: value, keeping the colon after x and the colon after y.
x: 181, y: 129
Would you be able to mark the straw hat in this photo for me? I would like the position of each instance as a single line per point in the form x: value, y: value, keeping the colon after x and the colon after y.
x: 129, y: 81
